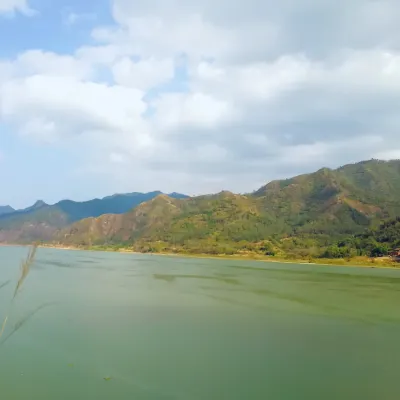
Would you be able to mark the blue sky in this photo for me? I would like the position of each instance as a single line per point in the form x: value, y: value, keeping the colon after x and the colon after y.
x: 27, y: 166
x: 49, y: 29
x: 98, y: 97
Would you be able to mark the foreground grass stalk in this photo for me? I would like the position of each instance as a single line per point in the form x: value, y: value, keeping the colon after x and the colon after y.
x: 25, y: 268
x: 24, y: 271
x: 3, y: 327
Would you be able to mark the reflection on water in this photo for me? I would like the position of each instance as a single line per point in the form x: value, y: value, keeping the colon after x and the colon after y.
x: 125, y: 326
x: 218, y: 278
x: 55, y: 263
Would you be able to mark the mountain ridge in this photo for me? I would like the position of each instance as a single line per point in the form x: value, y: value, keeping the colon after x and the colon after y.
x: 309, y: 210
x: 40, y: 221
x: 297, y: 216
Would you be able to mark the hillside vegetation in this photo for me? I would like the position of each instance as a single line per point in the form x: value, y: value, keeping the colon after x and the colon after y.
x: 297, y: 217
x: 375, y: 242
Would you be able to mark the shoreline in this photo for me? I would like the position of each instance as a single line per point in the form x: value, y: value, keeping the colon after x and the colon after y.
x: 360, y: 262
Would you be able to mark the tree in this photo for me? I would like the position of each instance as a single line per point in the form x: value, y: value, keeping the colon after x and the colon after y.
x: 380, y: 250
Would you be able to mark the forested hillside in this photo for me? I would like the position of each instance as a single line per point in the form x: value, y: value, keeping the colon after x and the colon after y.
x: 301, y: 216
x: 375, y: 242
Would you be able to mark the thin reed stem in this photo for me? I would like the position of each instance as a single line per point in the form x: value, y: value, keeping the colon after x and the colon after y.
x: 24, y: 271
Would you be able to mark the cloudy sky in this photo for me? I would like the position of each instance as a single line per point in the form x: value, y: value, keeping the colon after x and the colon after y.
x: 195, y: 96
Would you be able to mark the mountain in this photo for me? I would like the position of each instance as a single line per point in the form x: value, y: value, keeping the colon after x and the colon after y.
x: 166, y: 219
x: 116, y: 204
x: 306, y: 212
x: 41, y: 221
x: 6, y: 210
x: 38, y: 205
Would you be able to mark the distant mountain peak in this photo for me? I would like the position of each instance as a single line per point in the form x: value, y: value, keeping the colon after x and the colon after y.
x: 176, y: 195
x: 324, y: 170
x: 226, y: 193
x: 6, y: 210
x: 39, y: 204
x: 162, y: 196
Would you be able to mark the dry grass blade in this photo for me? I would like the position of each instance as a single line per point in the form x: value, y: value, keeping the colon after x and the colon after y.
x: 24, y: 320
x: 3, y: 326
x: 25, y: 267
x: 4, y: 284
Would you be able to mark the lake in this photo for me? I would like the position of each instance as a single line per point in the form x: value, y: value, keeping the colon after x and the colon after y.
x: 92, y: 325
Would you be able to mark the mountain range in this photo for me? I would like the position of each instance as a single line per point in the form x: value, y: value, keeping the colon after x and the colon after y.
x: 297, y: 216
x: 41, y: 221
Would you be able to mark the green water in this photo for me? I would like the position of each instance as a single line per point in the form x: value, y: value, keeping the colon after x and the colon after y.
x: 175, y: 328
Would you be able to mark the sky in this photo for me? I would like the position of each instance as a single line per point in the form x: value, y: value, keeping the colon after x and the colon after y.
x: 195, y: 96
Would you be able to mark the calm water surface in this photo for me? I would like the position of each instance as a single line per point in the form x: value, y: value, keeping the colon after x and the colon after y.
x: 120, y: 326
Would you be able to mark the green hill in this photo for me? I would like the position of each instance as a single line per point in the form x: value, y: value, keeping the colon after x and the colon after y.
x: 41, y: 221
x: 297, y: 216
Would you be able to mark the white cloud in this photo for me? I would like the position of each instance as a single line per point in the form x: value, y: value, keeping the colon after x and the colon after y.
x: 393, y: 154
x: 234, y: 94
x: 73, y: 18
x: 118, y: 158
x: 194, y: 110
x: 72, y: 106
x: 9, y: 7
x: 34, y: 62
x: 143, y: 74
x: 257, y: 29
